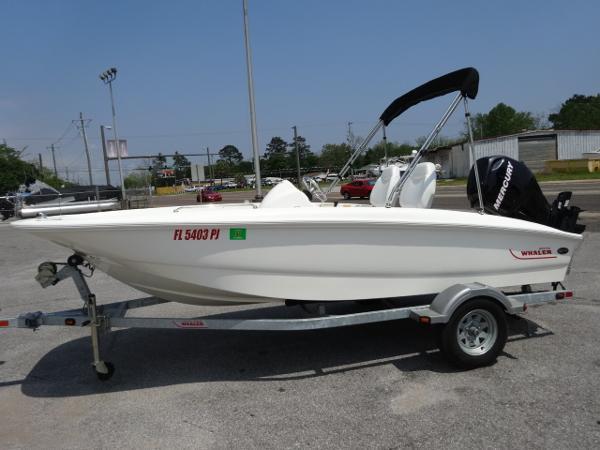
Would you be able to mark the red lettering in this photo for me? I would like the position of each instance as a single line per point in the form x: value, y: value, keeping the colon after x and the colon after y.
x: 188, y: 233
x: 204, y: 234
x: 214, y: 234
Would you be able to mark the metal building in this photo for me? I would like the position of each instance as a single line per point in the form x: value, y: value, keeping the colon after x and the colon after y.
x: 534, y: 148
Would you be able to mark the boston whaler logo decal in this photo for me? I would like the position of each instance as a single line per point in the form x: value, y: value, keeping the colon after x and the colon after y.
x: 505, y: 183
x: 189, y: 323
x: 539, y: 253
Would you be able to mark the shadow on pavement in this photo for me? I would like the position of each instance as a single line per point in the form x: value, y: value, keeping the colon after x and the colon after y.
x: 147, y: 358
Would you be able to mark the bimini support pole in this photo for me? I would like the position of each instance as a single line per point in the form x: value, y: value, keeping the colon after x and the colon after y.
x: 472, y: 151
x: 355, y: 155
x: 432, y: 135
x: 385, y: 150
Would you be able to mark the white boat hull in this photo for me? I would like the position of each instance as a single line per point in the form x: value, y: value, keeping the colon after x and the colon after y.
x: 241, y: 254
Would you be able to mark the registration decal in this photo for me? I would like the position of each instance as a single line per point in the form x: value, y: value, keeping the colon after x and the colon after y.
x: 237, y: 234
x: 538, y: 253
x: 196, y: 234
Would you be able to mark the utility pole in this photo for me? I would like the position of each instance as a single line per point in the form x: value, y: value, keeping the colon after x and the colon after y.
x: 103, y: 139
x: 85, y: 144
x: 259, y: 195
x: 40, y: 157
x: 209, y: 167
x: 53, y: 160
x: 350, y: 134
x: 297, y: 155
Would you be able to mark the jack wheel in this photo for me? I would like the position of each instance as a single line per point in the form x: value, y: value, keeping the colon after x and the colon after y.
x: 105, y: 376
x: 75, y: 260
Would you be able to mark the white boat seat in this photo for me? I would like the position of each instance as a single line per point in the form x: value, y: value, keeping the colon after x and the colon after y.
x: 419, y: 189
x: 417, y: 192
x: 285, y: 195
x: 384, y: 184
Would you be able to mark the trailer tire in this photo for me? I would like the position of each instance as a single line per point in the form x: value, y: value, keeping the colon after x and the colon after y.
x: 475, y: 334
x: 347, y: 195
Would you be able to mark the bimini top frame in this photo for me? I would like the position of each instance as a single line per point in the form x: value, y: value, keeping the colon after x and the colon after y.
x: 464, y: 81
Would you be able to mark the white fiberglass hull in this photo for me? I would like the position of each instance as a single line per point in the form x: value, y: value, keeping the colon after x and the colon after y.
x: 232, y: 254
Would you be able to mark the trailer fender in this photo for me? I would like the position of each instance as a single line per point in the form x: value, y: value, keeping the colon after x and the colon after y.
x: 447, y: 301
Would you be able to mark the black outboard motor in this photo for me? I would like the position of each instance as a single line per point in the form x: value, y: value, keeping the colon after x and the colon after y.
x: 510, y: 189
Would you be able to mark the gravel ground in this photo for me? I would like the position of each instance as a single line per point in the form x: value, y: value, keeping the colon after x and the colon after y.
x: 375, y: 386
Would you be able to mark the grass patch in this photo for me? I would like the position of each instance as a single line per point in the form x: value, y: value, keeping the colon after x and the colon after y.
x: 558, y: 176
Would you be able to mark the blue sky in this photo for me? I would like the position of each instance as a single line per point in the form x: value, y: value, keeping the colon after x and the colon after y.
x: 181, y: 83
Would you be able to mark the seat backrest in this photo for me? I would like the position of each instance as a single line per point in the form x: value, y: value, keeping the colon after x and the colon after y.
x: 384, y: 184
x: 419, y: 189
x: 285, y: 195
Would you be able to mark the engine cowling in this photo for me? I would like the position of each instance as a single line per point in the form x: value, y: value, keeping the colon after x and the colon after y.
x: 510, y: 189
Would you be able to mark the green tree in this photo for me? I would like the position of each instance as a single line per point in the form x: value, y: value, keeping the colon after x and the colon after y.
x: 231, y: 154
x: 13, y: 170
x: 223, y: 169
x: 376, y: 153
x: 182, y: 166
x: 275, y: 157
x: 136, y: 180
x: 307, y: 157
x: 158, y: 163
x: 334, y: 155
x: 579, y: 112
x: 501, y: 120
x: 245, y: 167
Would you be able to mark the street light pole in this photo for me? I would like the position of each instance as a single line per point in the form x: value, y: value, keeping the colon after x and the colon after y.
x: 259, y: 195
x: 108, y: 77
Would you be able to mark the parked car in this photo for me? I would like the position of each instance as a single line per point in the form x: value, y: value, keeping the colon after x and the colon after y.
x: 208, y: 195
x: 357, y: 188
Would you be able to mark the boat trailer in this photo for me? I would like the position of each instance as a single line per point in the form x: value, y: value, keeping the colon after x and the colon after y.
x: 470, y: 318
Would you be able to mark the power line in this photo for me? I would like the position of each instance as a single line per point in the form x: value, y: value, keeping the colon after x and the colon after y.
x: 64, y: 134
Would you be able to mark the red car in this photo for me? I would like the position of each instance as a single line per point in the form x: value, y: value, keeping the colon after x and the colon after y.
x: 357, y: 188
x: 208, y: 195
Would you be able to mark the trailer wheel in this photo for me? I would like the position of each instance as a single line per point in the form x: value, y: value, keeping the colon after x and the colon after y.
x: 347, y: 195
x: 475, y: 334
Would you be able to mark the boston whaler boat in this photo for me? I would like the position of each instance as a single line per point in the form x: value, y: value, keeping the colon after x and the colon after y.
x: 287, y: 248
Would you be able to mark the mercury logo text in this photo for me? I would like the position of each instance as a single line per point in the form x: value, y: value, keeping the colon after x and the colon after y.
x: 505, y: 183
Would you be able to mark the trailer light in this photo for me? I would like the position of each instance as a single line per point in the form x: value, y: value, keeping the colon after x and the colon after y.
x: 425, y: 320
x: 70, y: 322
x: 569, y: 294
x: 560, y: 295
x: 3, y: 323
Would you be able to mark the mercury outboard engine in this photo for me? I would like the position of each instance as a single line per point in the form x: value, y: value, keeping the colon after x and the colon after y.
x: 510, y: 189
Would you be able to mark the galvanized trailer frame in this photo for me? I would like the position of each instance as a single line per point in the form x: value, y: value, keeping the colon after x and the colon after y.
x: 98, y: 318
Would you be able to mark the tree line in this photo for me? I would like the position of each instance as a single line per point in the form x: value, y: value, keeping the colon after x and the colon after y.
x: 579, y: 112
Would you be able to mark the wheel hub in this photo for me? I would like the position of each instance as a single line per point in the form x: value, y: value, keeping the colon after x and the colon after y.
x: 477, y: 332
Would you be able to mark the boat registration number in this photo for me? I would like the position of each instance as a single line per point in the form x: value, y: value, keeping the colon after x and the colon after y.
x: 196, y: 234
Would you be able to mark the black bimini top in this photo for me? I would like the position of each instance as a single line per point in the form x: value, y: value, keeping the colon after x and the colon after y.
x: 464, y: 80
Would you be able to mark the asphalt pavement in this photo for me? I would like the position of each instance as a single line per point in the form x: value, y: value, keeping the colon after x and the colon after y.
x: 373, y: 386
